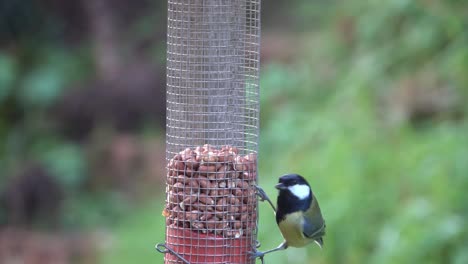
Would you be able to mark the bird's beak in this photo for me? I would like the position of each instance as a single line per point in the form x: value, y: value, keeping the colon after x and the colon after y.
x: 280, y: 186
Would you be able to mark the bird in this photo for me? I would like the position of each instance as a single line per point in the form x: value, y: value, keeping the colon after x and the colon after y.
x: 298, y: 214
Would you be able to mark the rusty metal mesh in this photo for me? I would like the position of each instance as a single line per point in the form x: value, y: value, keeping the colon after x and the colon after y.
x: 212, y: 129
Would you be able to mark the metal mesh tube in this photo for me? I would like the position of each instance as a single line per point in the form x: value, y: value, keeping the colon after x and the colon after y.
x: 212, y: 129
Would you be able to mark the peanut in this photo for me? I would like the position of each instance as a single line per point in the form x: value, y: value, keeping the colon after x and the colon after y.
x: 204, y: 182
x: 224, y: 192
x: 178, y: 187
x: 178, y: 212
x: 239, y: 164
x: 173, y: 197
x: 234, y: 150
x: 243, y: 217
x: 223, y: 172
x: 244, y: 208
x: 237, y: 192
x: 231, y: 183
x: 192, y: 184
x: 198, y: 225
x: 172, y: 172
x: 192, y: 215
x: 249, y: 196
x: 188, y: 200
x: 181, y: 178
x: 237, y: 225
x: 209, y: 158
x: 234, y: 209
x: 171, y: 180
x: 214, y: 193
x: 179, y: 165
x: 221, y: 214
x: 212, y: 224
x: 202, y: 207
x: 206, y: 216
x: 221, y: 205
x: 206, y: 199
x: 204, y: 169
x: 222, y: 184
x: 233, y: 200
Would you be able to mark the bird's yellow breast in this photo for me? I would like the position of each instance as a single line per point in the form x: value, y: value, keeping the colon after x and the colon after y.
x: 291, y: 228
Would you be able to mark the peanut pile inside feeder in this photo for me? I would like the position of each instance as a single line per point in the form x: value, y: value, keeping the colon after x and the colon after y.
x: 212, y: 191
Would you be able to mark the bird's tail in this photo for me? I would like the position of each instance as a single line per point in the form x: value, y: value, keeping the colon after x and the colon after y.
x: 319, y: 242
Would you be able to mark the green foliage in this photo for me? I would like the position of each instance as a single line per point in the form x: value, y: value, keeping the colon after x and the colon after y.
x: 7, y: 75
x: 41, y: 87
x: 65, y: 161
x: 89, y: 210
x: 43, y: 84
x: 136, y: 236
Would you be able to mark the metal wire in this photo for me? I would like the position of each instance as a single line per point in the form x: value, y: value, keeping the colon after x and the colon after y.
x: 212, y: 98
x: 163, y: 248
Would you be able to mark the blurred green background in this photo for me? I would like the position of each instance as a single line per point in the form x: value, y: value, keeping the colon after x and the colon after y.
x: 367, y: 99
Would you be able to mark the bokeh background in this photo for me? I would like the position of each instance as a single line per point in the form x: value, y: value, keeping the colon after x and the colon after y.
x: 366, y: 99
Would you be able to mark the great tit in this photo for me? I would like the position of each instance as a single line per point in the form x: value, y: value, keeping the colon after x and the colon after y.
x: 298, y: 215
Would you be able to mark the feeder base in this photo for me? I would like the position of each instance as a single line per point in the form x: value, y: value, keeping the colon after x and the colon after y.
x: 198, y: 248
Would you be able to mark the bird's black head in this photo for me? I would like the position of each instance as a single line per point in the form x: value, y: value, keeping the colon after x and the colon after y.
x: 295, y: 195
x: 290, y: 180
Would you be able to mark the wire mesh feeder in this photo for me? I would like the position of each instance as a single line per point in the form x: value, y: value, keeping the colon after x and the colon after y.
x: 212, y: 130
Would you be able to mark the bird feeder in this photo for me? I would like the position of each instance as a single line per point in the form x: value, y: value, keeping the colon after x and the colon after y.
x: 212, y: 131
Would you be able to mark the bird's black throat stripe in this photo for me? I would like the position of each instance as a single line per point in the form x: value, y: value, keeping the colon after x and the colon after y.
x: 288, y: 203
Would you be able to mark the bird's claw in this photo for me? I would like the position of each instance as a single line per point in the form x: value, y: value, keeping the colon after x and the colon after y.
x: 261, y: 194
x: 264, y: 197
x: 256, y: 254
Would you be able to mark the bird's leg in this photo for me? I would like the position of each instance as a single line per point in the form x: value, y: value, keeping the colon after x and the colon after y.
x: 264, y: 197
x: 260, y: 254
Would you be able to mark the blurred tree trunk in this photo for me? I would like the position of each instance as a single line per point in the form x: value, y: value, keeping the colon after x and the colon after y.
x: 105, y: 38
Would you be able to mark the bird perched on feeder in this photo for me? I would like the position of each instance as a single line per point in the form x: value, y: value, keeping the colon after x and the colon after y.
x: 298, y: 215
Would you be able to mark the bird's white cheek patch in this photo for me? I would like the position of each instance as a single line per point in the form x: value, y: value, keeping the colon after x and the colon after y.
x: 301, y: 191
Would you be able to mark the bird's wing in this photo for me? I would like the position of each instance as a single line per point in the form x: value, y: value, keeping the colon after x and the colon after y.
x: 313, y: 224
x: 313, y: 231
